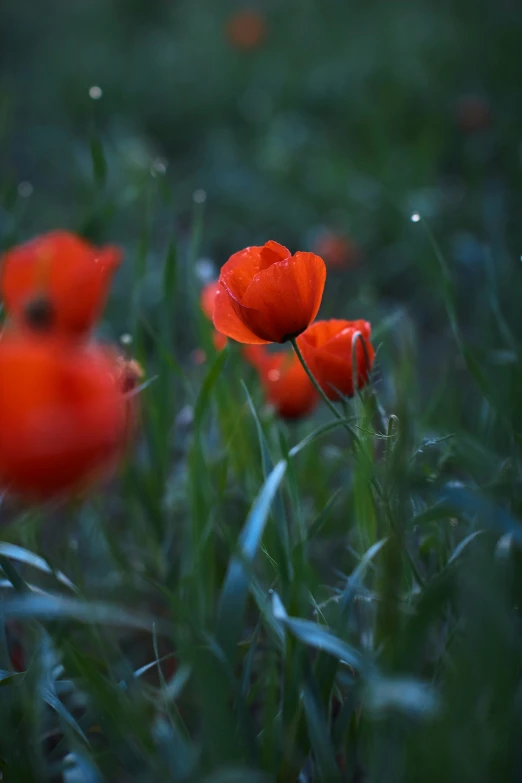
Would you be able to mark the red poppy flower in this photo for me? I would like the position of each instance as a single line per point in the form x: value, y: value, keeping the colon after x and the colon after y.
x: 208, y: 296
x: 63, y: 417
x: 327, y: 348
x: 246, y: 29
x: 286, y: 385
x: 267, y: 295
x: 338, y: 251
x: 57, y: 282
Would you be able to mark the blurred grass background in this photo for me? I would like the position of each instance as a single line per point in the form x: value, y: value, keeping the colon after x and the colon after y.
x: 389, y: 649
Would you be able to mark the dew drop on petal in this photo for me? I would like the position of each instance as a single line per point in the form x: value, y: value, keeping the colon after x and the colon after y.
x: 126, y: 339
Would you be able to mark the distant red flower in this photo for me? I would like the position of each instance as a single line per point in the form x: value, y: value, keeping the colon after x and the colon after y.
x: 57, y: 282
x: 473, y: 113
x: 267, y: 295
x: 327, y: 347
x: 208, y: 296
x: 198, y: 356
x: 286, y: 385
x: 246, y: 29
x: 63, y: 415
x: 338, y: 251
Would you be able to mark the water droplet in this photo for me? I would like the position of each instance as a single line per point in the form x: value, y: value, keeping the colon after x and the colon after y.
x: 415, y: 217
x: 199, y: 196
x: 273, y: 375
x: 126, y: 339
x: 25, y: 189
x: 95, y: 92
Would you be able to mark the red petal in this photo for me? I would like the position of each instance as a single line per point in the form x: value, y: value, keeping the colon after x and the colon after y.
x: 283, y: 300
x: 227, y: 322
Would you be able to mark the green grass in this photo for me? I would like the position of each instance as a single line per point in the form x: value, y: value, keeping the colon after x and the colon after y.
x: 337, y: 602
x: 253, y: 600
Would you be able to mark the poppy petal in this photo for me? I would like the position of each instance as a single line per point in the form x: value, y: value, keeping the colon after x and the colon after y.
x: 283, y: 300
x: 240, y: 269
x: 227, y: 322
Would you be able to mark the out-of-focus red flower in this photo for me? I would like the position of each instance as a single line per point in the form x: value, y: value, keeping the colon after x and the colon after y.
x: 198, y: 356
x: 338, y: 251
x: 63, y: 415
x: 246, y: 29
x: 57, y: 283
x: 286, y: 385
x: 207, y: 299
x: 208, y: 295
x: 268, y: 295
x: 473, y: 113
x: 327, y: 348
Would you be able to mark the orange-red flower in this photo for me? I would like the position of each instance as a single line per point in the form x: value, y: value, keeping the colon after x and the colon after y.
x: 327, y: 348
x: 286, y: 385
x: 267, y: 295
x: 63, y: 415
x: 208, y: 296
x: 246, y: 29
x: 338, y: 251
x: 57, y: 282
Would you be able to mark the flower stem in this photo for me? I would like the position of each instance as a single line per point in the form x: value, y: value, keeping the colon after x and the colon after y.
x: 316, y: 386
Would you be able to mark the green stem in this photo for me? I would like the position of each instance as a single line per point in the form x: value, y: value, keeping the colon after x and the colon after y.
x: 320, y: 391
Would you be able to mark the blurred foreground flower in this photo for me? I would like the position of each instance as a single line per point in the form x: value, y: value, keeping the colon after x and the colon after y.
x: 64, y: 419
x: 246, y: 29
x: 208, y: 296
x: 338, y: 251
x: 57, y: 283
x: 328, y: 347
x: 267, y: 295
x: 285, y: 383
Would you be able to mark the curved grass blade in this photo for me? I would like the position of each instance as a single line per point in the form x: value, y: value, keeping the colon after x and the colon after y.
x: 29, y: 558
x: 56, y: 607
x: 279, y: 513
x: 314, y: 635
x: 235, y: 588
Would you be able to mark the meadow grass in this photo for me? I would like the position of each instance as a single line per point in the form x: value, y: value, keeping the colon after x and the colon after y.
x: 331, y: 600
x: 336, y: 599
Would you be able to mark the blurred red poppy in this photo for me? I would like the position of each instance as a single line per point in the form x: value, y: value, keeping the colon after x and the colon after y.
x: 267, y: 295
x: 337, y: 250
x: 246, y: 29
x: 57, y: 282
x: 327, y: 348
x: 63, y: 417
x: 285, y: 383
x: 208, y: 296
